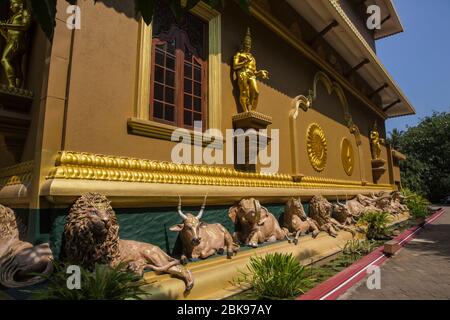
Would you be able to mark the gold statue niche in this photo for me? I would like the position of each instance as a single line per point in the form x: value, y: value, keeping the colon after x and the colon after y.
x: 375, y: 142
x: 14, y: 30
x: 244, y: 65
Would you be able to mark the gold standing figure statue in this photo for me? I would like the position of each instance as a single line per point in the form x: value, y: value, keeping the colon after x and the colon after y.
x: 14, y: 31
x: 375, y: 142
x: 244, y: 64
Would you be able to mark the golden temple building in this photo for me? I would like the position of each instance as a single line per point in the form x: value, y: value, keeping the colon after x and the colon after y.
x: 98, y: 106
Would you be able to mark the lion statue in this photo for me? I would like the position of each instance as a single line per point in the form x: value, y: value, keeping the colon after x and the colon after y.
x: 321, y: 210
x: 91, y: 235
x: 20, y: 259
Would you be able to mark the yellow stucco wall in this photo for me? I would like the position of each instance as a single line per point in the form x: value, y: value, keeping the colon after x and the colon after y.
x: 103, y: 83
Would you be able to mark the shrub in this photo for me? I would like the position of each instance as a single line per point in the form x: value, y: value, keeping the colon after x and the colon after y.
x: 417, y: 204
x: 275, y: 276
x: 105, y: 283
x: 358, y: 248
x: 377, y: 225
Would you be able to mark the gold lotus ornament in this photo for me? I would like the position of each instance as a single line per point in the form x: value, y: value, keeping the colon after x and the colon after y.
x: 316, y: 144
x: 347, y: 156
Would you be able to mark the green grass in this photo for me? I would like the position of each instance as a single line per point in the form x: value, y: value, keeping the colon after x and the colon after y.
x: 274, y: 276
x: 377, y: 225
x: 105, y: 283
x: 314, y: 275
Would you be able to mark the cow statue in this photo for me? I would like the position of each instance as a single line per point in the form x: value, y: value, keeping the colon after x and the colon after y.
x: 397, y: 202
x: 384, y: 202
x: 321, y: 210
x: 201, y: 240
x: 297, y: 222
x: 362, y: 204
x: 349, y: 212
x: 343, y: 214
x: 254, y: 224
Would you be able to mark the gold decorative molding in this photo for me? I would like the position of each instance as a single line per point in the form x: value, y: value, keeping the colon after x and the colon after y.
x: 74, y: 165
x: 88, y: 166
x: 347, y: 156
x: 21, y: 173
x: 316, y: 144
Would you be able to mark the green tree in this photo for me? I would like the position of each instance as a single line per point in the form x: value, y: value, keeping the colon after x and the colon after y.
x: 427, y: 148
x: 394, y: 138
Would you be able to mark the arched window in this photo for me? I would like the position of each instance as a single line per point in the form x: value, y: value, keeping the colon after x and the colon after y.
x: 179, y: 70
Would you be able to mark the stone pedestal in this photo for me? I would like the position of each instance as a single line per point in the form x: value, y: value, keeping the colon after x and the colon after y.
x: 15, y: 99
x: 378, y: 168
x: 15, y: 118
x: 247, y: 141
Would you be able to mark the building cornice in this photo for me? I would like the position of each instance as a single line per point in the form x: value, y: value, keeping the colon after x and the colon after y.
x: 284, y: 33
x: 351, y: 45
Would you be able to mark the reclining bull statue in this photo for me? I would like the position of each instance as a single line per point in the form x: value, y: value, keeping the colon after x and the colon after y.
x: 200, y: 239
x: 397, y: 202
x: 20, y: 261
x: 321, y: 210
x: 254, y: 224
x: 297, y: 222
x: 349, y: 212
x: 343, y: 214
x: 390, y: 202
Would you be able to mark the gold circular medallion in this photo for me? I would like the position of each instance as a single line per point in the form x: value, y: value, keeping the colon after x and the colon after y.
x: 316, y: 144
x: 347, y: 156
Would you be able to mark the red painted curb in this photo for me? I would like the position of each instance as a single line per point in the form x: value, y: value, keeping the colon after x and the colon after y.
x: 334, y: 287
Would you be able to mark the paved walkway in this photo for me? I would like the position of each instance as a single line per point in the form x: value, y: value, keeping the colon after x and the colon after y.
x: 421, y: 270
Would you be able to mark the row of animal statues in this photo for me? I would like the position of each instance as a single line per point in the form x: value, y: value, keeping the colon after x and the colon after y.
x: 91, y: 235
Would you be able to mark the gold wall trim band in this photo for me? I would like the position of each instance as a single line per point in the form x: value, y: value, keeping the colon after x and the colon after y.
x: 21, y: 173
x: 88, y: 166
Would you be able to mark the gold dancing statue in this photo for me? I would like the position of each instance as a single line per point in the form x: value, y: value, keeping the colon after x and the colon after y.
x: 244, y: 64
x: 14, y: 31
x: 375, y: 143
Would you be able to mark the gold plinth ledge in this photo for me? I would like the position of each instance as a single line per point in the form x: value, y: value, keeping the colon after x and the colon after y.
x: 251, y: 120
x: 17, y: 174
x: 88, y: 166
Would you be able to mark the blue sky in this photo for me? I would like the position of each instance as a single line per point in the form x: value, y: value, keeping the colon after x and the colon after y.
x: 419, y: 58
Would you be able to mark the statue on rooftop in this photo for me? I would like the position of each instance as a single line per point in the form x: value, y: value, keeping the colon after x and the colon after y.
x: 14, y: 30
x: 244, y: 65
